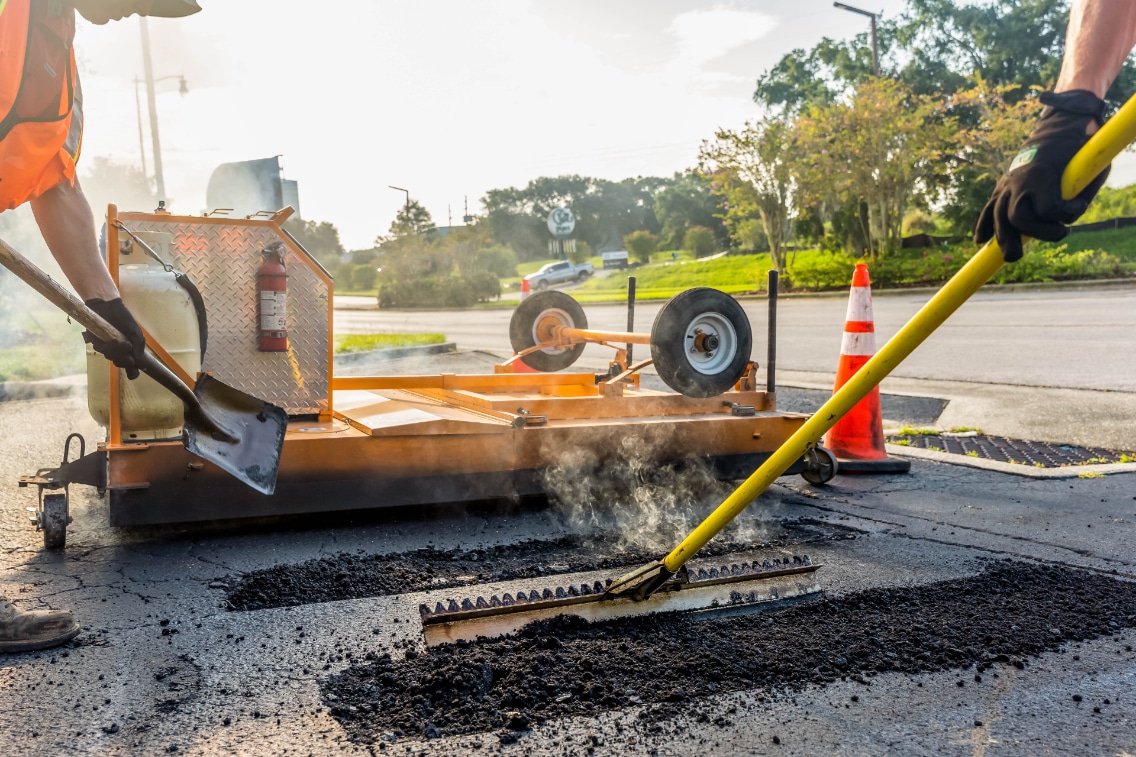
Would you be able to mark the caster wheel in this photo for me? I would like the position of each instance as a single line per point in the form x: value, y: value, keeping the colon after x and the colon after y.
x: 821, y: 466
x: 701, y: 342
x: 531, y: 321
x: 54, y: 522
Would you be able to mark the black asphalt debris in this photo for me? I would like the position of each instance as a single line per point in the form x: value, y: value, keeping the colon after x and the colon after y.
x: 355, y: 576
x: 566, y: 667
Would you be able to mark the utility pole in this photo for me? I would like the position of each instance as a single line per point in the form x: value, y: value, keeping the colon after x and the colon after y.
x: 141, y: 138
x: 148, y: 68
x: 875, y: 47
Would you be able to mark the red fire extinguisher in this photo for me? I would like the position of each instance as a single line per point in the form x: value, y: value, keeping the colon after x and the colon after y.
x: 272, y: 294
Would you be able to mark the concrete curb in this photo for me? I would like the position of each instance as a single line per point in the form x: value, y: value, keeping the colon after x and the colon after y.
x: 1026, y: 471
x: 393, y: 353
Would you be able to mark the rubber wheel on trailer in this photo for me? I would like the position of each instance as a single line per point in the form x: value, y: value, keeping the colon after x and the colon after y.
x: 55, y: 521
x: 545, y: 308
x: 820, y: 466
x: 701, y: 342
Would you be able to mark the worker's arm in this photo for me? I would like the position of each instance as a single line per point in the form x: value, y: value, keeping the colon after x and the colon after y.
x: 1100, y: 37
x: 1027, y: 200
x: 68, y: 226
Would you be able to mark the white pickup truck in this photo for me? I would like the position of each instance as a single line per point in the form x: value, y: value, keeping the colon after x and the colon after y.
x: 559, y: 272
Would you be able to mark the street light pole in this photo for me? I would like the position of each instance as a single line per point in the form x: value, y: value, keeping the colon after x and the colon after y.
x: 875, y: 48
x: 407, y: 191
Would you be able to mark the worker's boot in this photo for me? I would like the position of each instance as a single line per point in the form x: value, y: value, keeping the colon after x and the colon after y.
x: 34, y: 629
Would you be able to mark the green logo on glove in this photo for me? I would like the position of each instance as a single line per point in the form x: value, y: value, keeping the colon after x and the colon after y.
x: 1022, y: 158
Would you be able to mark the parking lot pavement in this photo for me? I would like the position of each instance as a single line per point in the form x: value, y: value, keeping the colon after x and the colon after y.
x: 163, y: 664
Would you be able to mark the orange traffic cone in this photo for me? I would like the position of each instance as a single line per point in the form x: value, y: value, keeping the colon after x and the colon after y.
x: 526, y: 290
x: 857, y: 439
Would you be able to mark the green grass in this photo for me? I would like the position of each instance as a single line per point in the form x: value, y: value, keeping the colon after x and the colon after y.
x: 368, y: 342
x: 733, y: 274
x: 41, y: 344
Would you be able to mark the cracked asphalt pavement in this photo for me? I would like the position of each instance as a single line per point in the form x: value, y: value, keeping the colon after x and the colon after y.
x: 163, y: 665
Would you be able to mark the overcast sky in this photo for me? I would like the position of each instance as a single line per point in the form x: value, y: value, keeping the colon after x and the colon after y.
x: 446, y: 98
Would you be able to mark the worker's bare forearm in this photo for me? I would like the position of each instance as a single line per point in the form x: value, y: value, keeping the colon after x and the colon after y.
x: 68, y: 226
x: 1101, y: 35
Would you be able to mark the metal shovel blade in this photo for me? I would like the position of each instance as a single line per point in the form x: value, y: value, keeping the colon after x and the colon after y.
x: 259, y: 426
x: 233, y: 430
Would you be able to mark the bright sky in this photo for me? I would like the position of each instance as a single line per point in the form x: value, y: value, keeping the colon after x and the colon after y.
x: 448, y: 98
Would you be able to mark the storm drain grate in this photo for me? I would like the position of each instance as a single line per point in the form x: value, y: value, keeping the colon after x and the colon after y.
x: 1037, y: 454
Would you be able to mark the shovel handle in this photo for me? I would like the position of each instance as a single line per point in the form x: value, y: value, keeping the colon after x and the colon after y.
x: 1108, y: 142
x: 90, y: 320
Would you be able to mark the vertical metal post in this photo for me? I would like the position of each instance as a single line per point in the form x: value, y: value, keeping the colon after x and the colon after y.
x: 771, y: 340
x: 141, y: 138
x: 148, y: 69
x: 630, y: 317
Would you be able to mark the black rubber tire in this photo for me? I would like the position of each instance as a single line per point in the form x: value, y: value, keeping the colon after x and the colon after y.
x: 525, y: 319
x: 583, y: 276
x: 542, y: 285
x: 669, y: 343
x: 821, y: 466
x: 55, y: 521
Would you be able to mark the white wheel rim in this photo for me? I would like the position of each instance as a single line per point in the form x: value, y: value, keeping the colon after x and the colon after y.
x: 564, y: 319
x: 710, y: 362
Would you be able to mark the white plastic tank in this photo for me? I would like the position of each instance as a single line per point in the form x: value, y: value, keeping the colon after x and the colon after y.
x: 166, y: 311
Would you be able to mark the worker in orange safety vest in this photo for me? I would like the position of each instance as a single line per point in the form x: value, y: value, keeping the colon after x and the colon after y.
x: 41, y: 132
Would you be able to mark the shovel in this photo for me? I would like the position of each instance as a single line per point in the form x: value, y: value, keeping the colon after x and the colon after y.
x: 235, y: 431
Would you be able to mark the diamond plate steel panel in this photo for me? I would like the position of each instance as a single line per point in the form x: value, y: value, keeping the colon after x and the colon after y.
x: 222, y: 260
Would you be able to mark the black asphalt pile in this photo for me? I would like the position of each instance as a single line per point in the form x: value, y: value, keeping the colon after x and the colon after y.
x: 354, y: 576
x: 670, y: 664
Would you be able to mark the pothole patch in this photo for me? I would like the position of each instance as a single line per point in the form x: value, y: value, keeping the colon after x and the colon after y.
x: 357, y: 576
x: 671, y: 665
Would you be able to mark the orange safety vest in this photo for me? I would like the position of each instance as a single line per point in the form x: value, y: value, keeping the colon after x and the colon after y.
x: 41, y: 122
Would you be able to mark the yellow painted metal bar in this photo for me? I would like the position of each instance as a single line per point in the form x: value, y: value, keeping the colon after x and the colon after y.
x: 1113, y: 138
x: 1101, y: 148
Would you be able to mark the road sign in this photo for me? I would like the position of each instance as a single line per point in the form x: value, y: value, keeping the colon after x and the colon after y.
x: 561, y: 223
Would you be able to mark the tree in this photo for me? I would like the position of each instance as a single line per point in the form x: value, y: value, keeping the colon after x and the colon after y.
x: 605, y: 211
x: 106, y: 181
x: 686, y: 202
x: 641, y: 244
x: 699, y: 241
x: 320, y: 238
x: 993, y: 121
x: 753, y: 167
x: 881, y: 148
x: 411, y: 219
x: 937, y: 46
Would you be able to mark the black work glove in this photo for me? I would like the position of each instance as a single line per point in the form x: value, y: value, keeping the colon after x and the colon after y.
x: 1027, y: 200
x: 123, y: 354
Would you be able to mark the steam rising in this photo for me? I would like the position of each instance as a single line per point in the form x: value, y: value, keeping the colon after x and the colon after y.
x: 645, y: 504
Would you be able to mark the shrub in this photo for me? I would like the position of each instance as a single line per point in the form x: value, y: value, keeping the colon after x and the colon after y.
x: 640, y: 244
x: 484, y: 285
x: 363, y: 277
x: 582, y: 253
x: 440, y: 291
x: 700, y: 241
x: 498, y: 259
